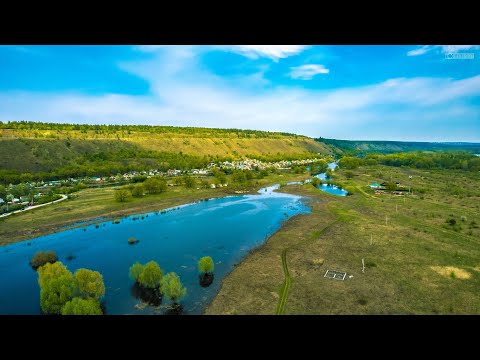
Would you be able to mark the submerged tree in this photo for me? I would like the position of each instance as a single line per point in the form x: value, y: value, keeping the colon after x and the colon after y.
x: 42, y: 257
x: 135, y: 271
x: 56, y: 287
x: 51, y: 271
x: 89, y: 283
x: 79, y: 306
x: 147, y: 282
x: 205, y: 267
x: 173, y: 289
x: 151, y: 275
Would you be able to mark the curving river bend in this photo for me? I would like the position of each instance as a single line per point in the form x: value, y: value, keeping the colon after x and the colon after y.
x: 224, y: 228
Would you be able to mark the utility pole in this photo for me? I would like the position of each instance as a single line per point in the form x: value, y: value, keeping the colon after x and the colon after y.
x: 363, y: 266
x: 386, y: 220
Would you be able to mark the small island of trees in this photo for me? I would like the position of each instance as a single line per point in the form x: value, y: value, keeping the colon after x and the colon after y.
x: 151, y: 286
x: 62, y: 292
x: 42, y: 257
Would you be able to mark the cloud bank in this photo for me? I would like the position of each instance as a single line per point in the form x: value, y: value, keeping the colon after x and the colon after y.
x: 184, y: 93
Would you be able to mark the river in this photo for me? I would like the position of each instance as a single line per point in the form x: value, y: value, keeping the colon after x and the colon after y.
x: 224, y: 228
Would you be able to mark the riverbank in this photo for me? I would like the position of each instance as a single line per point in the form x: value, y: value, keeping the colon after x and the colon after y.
x: 415, y: 263
x: 98, y: 205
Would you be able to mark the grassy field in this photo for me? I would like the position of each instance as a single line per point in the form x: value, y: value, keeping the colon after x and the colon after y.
x: 416, y: 263
x: 90, y: 204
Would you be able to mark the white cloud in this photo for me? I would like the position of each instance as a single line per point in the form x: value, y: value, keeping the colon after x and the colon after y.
x: 443, y: 48
x: 273, y: 52
x: 308, y: 71
x: 420, y: 51
x: 421, y: 104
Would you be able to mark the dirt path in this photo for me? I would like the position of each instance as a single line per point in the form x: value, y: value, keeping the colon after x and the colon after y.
x: 286, y: 285
x: 64, y: 197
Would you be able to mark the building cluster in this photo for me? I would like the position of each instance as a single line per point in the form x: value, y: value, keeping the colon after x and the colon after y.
x: 247, y: 164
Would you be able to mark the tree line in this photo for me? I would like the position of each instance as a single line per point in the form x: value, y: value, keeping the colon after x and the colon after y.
x: 197, y: 131
x: 420, y: 160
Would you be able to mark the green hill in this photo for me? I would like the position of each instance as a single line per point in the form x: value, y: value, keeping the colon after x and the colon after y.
x: 63, y: 150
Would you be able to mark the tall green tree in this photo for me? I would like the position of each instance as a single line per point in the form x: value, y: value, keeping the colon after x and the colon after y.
x: 89, y: 283
x: 151, y: 275
x: 79, y: 306
x: 135, y: 271
x: 155, y: 186
x: 56, y: 287
x: 51, y: 271
x: 172, y: 287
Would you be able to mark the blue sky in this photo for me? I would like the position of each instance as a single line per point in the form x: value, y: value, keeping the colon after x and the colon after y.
x: 412, y: 92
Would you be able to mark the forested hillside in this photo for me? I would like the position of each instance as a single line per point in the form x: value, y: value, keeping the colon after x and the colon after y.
x: 351, y: 147
x: 62, y: 150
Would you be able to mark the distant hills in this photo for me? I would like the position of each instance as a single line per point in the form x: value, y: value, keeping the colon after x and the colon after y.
x: 51, y: 150
x: 359, y: 147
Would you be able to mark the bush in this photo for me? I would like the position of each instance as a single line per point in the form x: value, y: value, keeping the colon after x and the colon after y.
x: 206, y: 265
x: 239, y: 177
x: 316, y: 182
x: 132, y: 240
x: 189, y: 181
x: 451, y: 222
x: 137, y: 190
x: 122, y: 195
x: 47, y: 199
x: 42, y: 257
x: 349, y: 174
